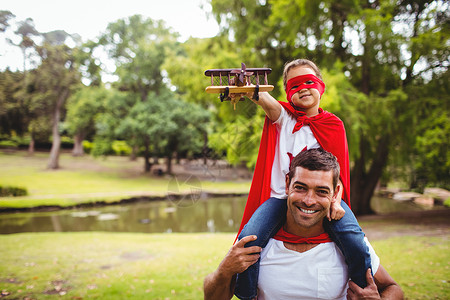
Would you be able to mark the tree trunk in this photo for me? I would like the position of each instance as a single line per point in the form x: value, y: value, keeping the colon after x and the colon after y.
x: 31, y: 145
x: 178, y: 156
x: 365, y: 84
x: 53, y: 162
x: 363, y: 183
x: 169, y: 164
x: 134, y: 153
x: 205, y: 148
x: 147, y: 164
x: 78, y: 145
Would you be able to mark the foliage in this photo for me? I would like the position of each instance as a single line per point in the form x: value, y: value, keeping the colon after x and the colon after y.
x: 164, y: 124
x: 447, y: 202
x: 431, y: 151
x: 101, y: 146
x: 121, y: 148
x: 87, y: 146
x: 6, y: 191
x: 139, y: 46
x: 152, y: 117
x: 13, y: 107
x: 197, y: 56
x: 186, y: 66
x: 8, y: 144
x: 82, y: 108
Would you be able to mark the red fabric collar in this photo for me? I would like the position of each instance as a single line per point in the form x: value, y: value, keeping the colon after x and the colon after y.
x: 285, y: 236
x: 300, y: 116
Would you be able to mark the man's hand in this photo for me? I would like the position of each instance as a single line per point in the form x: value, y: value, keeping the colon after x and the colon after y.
x: 369, y: 292
x: 239, y: 258
x: 336, y: 212
x: 220, y: 283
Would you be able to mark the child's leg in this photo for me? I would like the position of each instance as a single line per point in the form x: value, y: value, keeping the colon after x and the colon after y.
x: 264, y: 223
x: 349, y: 237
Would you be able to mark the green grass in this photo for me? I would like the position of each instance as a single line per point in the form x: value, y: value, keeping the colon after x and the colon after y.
x: 109, y: 265
x: 172, y: 266
x: 88, y: 179
x: 421, y: 265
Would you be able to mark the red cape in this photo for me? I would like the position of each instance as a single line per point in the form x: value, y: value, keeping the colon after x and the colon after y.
x: 330, y: 133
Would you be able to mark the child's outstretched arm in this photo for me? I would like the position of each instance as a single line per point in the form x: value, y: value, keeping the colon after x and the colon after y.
x: 270, y: 105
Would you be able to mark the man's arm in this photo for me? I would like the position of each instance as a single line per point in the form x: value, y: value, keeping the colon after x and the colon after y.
x: 381, y: 286
x: 220, y: 284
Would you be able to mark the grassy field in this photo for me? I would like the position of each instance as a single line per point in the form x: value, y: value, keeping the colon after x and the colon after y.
x: 87, y: 179
x: 172, y: 266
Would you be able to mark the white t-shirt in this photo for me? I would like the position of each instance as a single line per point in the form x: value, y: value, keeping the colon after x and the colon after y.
x: 288, y: 144
x: 319, y: 273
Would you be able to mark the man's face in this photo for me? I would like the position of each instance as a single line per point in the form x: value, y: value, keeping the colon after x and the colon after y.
x: 309, y: 198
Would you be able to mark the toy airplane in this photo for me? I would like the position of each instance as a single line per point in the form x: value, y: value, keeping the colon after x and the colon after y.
x: 238, y: 81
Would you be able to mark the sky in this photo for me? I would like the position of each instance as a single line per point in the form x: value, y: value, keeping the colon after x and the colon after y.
x: 89, y: 18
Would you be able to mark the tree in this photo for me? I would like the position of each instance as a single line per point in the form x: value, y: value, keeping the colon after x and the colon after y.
x: 164, y: 124
x: 139, y: 48
x: 53, y: 82
x: 12, y: 116
x: 190, y: 122
x: 82, y: 108
x: 26, y: 31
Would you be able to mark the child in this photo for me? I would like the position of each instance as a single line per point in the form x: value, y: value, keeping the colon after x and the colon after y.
x: 290, y: 128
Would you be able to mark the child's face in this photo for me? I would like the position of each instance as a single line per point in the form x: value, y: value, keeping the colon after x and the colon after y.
x: 306, y: 99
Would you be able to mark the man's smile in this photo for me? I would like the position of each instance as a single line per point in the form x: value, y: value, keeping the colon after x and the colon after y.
x: 307, y: 211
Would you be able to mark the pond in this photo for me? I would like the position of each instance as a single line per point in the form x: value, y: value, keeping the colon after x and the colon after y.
x: 185, y: 215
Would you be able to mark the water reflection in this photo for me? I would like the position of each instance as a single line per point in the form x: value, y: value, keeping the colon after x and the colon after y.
x: 182, y: 215
x: 204, y: 215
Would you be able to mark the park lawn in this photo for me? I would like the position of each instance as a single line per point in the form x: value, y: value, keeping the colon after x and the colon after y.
x: 87, y: 179
x: 172, y: 266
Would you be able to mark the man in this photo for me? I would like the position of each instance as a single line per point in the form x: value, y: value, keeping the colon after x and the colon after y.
x: 311, y: 266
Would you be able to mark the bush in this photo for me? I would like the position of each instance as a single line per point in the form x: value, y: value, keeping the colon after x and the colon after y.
x: 87, y: 146
x: 8, y: 144
x: 7, y: 191
x: 121, y: 148
x: 447, y: 202
x: 101, y: 147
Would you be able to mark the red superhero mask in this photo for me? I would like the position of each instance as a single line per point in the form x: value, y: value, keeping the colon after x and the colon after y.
x: 308, y: 81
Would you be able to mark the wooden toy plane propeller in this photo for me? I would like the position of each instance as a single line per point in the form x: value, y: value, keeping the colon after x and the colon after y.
x: 238, y: 81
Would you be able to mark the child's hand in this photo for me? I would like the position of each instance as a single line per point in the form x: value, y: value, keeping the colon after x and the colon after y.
x: 336, y: 212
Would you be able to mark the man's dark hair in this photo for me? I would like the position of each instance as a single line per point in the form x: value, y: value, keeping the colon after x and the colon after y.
x: 316, y: 160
